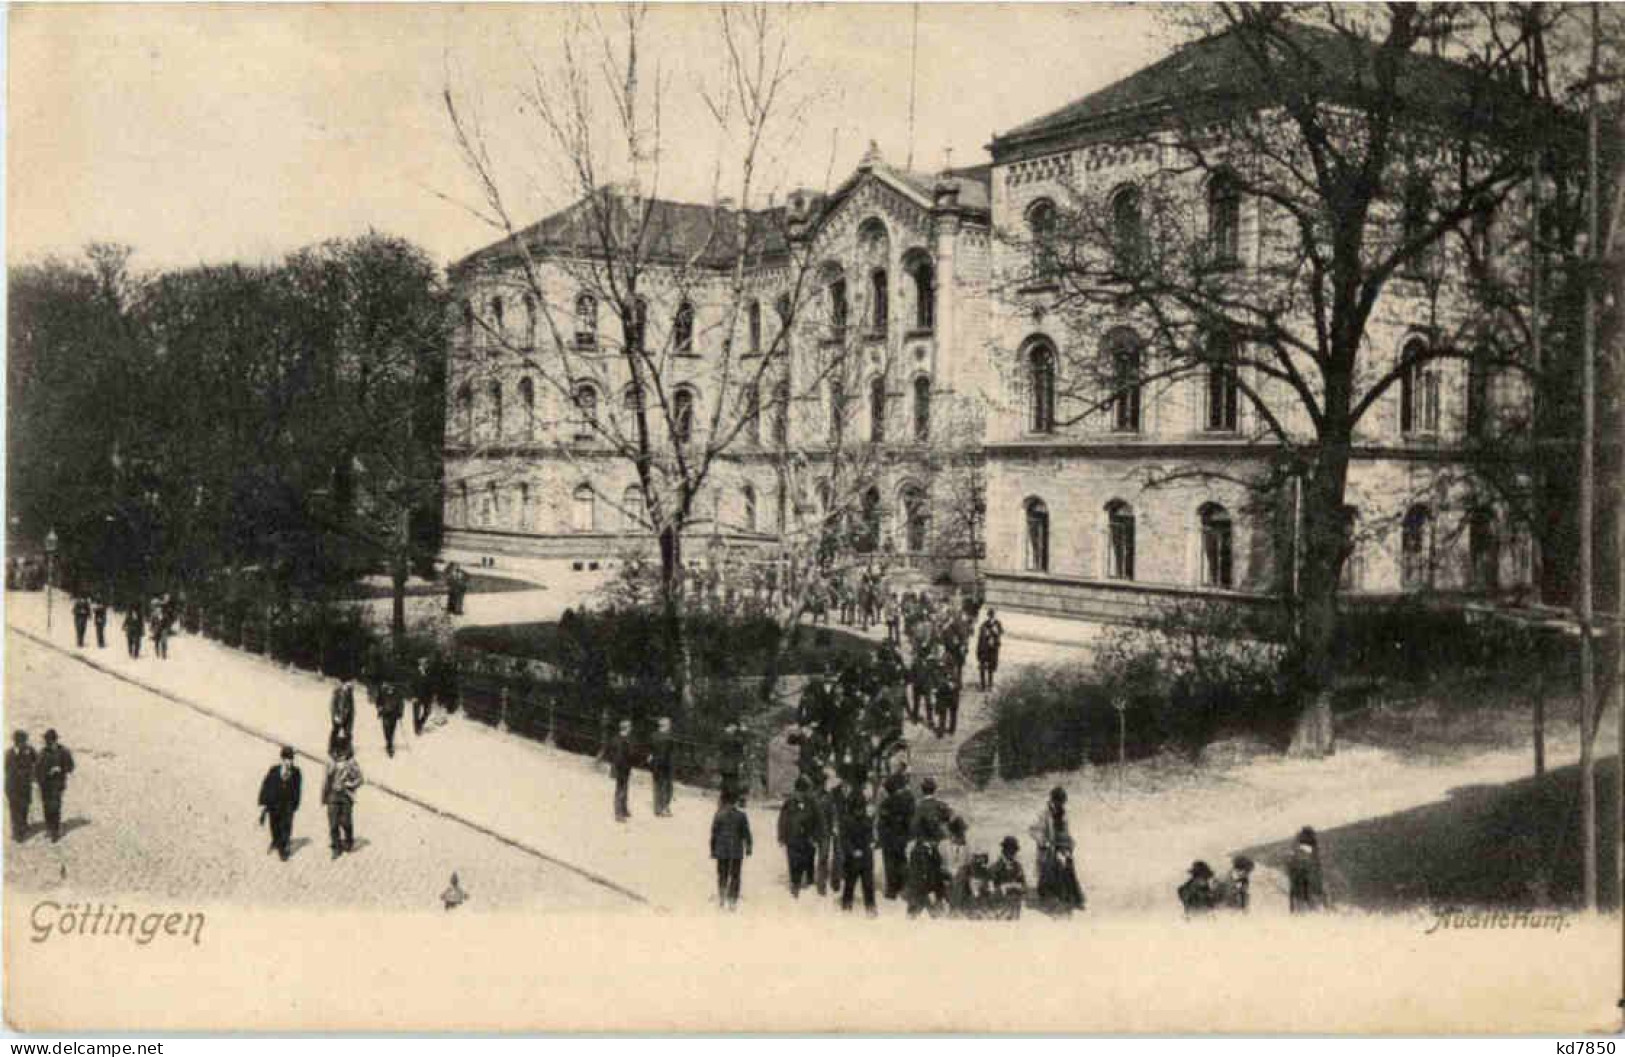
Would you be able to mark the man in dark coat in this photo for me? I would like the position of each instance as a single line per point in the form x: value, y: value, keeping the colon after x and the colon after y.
x: 896, y: 817
x: 52, y: 768
x: 98, y: 611
x: 81, y: 619
x: 662, y: 765
x: 989, y: 640
x: 799, y: 826
x: 824, y: 866
x: 1197, y: 894
x: 21, y: 761
x: 730, y: 844
x: 1235, y: 891
x: 135, y: 626
x: 855, y: 843
x: 341, y: 709
x: 927, y: 883
x: 1306, y: 886
x: 279, y: 799
x: 340, y: 786
x: 390, y: 709
x: 731, y: 760
x: 620, y: 762
x: 422, y: 695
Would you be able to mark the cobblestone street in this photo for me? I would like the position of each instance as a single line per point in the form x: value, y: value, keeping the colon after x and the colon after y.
x: 162, y: 804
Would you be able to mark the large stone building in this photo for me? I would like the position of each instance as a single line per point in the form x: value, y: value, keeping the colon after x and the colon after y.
x: 1096, y: 504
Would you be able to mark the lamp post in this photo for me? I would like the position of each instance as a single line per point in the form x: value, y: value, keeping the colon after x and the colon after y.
x: 50, y: 556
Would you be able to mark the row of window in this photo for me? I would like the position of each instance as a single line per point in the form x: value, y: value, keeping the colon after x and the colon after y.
x: 1217, y: 566
x: 1129, y: 239
x: 636, y: 328
x: 1123, y: 353
x: 838, y: 308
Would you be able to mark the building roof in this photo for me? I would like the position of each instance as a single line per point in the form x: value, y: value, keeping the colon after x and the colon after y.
x: 1219, y: 67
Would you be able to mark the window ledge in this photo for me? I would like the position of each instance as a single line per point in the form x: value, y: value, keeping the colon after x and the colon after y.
x: 920, y: 332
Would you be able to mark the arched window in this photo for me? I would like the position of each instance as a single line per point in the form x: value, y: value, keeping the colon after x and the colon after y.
x: 682, y: 330
x: 752, y: 401
x: 496, y: 411
x: 1123, y: 361
x: 682, y: 413
x: 468, y: 321
x: 1218, y: 546
x: 916, y: 519
x: 879, y: 302
x: 1224, y: 218
x: 585, y: 399
x: 1479, y: 409
x: 586, y: 321
x: 1128, y: 230
x: 632, y: 509
x: 837, y: 410
x: 497, y: 323
x: 637, y: 328
x: 868, y: 539
x: 493, y: 505
x: 1119, y: 540
x: 465, y: 414
x: 922, y: 409
x: 527, y: 406
x: 583, y: 513
x: 1416, y: 547
x: 1035, y: 554
x: 1223, y: 383
x: 1043, y: 223
x: 524, y: 507
x: 877, y: 409
x: 781, y: 413
x: 1418, y: 390
x: 1041, y: 387
x: 825, y: 495
x: 837, y: 309
x: 922, y: 277
x: 1416, y: 214
x: 747, y: 495
x: 1483, y: 550
x: 753, y: 327
x: 530, y: 321
x: 1353, y: 575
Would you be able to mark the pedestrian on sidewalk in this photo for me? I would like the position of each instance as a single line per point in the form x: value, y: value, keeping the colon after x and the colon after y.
x: 54, y: 765
x: 98, y: 611
x: 857, y: 848
x: 896, y: 818
x: 21, y: 761
x: 731, y: 760
x: 799, y: 823
x: 339, y: 789
x: 81, y: 619
x: 422, y: 696
x: 135, y: 628
x: 662, y: 765
x: 1306, y: 885
x: 1058, y: 890
x: 730, y: 845
x: 824, y: 847
x: 620, y: 762
x: 279, y: 799
x: 989, y: 640
x: 341, y: 709
x: 162, y: 625
x: 390, y: 708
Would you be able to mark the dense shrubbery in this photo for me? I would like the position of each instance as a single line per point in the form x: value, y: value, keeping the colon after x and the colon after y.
x: 1412, y: 642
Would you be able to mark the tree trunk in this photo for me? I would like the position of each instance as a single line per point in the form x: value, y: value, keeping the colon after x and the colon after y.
x: 671, y: 584
x: 399, y: 567
x: 1322, y: 547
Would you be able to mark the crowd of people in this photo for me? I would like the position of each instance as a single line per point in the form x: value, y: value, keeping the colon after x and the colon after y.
x: 140, y: 620
x: 48, y: 769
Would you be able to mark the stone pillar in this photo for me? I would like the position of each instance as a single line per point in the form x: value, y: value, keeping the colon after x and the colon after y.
x: 945, y: 222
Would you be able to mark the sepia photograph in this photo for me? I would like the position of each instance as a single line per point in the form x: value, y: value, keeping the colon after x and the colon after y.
x: 815, y: 518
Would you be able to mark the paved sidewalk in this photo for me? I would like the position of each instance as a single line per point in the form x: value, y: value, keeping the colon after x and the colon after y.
x: 553, y: 803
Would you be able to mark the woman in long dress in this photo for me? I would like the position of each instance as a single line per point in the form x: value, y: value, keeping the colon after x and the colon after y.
x: 1058, y: 889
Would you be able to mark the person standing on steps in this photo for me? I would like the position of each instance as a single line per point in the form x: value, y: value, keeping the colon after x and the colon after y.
x: 662, y: 766
x: 52, y: 768
x: 730, y: 846
x: 21, y: 763
x: 279, y: 799
x: 620, y: 762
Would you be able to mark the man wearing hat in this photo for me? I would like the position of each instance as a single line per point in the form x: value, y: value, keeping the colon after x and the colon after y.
x: 1306, y: 886
x: 98, y: 611
x: 620, y: 761
x: 731, y: 759
x: 896, y: 818
x: 339, y: 789
x: 1235, y: 890
x: 662, y: 765
x: 21, y: 760
x: 81, y: 619
x: 1197, y: 894
x: 390, y: 708
x: 800, y: 823
x: 1008, y: 880
x: 341, y: 709
x: 279, y: 799
x: 52, y: 769
x: 730, y: 844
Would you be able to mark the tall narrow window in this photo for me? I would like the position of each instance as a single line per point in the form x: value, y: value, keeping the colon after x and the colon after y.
x: 781, y: 414
x: 752, y: 405
x: 1479, y: 411
x: 586, y: 404
x: 748, y: 497
x: 1223, y: 388
x: 468, y: 321
x: 1352, y: 578
x: 527, y: 407
x: 465, y: 413
x: 632, y: 509
x: 877, y: 410
x: 523, y: 523
x: 1416, y: 548
x: 1041, y: 388
x: 1042, y: 225
x: 753, y: 326
x: 1418, y: 391
x: 497, y: 324
x: 496, y: 411
x: 879, y: 302
x: 583, y: 516
x: 1224, y: 219
x: 868, y: 537
x: 1119, y: 540
x: 493, y: 506
x: 1484, y: 550
x: 1036, y: 544
x: 922, y: 409
x: 637, y: 328
x: 781, y: 308
x: 923, y: 278
x: 837, y: 410
x: 586, y: 321
x: 1123, y: 361
x: 682, y: 410
x: 1128, y: 230
x: 1218, y: 547
x: 530, y: 321
x: 837, y: 310
x: 464, y: 513
x: 915, y: 519
x: 682, y: 330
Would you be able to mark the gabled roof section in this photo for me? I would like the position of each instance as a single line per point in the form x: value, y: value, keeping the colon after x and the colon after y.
x: 673, y: 232
x: 1220, y: 68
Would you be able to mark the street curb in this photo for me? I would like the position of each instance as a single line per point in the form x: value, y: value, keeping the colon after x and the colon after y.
x: 597, y: 879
